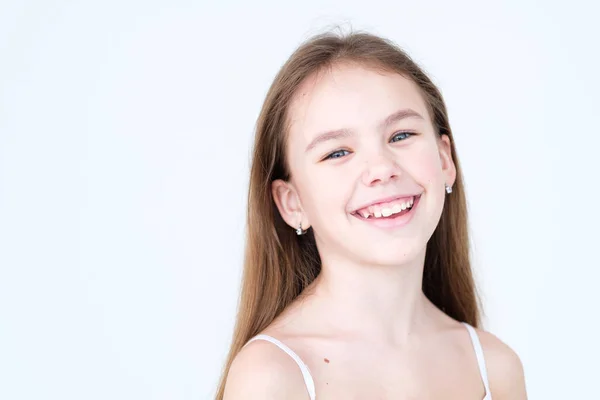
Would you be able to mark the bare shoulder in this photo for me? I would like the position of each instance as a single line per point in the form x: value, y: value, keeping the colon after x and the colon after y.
x: 505, y: 369
x: 263, y: 371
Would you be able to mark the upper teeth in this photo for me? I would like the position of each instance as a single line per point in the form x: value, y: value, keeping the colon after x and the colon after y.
x: 386, y: 209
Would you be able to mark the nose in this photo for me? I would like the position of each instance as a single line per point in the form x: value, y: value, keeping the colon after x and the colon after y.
x: 380, y: 168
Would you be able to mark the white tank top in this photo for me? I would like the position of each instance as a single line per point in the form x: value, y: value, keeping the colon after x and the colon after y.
x: 310, y: 384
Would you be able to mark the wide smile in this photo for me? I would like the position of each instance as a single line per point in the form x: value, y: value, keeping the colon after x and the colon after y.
x: 389, y: 215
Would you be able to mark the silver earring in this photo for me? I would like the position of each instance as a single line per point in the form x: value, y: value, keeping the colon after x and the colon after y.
x: 448, y: 188
x: 299, y: 229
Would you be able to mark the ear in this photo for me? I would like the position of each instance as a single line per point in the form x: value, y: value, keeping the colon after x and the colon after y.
x: 448, y: 167
x: 288, y: 203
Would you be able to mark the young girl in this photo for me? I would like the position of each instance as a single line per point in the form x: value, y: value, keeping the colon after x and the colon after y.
x: 357, y: 282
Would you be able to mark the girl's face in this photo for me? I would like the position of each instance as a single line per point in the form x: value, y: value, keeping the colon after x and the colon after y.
x: 361, y: 137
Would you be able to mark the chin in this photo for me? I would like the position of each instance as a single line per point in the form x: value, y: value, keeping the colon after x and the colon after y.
x: 399, y: 256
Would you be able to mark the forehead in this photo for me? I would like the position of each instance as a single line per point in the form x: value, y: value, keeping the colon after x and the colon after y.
x: 350, y: 96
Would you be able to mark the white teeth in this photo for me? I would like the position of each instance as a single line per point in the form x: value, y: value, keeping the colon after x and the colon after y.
x: 378, y: 212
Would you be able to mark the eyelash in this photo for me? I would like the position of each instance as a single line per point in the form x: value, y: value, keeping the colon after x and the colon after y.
x: 408, y: 133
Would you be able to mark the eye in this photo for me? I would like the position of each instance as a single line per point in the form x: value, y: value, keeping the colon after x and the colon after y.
x: 336, y: 154
x: 399, y: 136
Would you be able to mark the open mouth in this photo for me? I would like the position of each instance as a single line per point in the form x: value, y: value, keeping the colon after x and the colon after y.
x: 394, y: 210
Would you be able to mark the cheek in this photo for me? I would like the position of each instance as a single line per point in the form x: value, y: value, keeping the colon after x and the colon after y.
x: 326, y: 192
x: 425, y: 166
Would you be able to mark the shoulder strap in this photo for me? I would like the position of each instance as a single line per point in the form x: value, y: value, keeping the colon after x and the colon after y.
x: 308, y: 380
x: 480, y: 359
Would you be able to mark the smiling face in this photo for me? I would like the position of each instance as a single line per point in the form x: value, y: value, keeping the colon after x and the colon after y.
x: 360, y: 136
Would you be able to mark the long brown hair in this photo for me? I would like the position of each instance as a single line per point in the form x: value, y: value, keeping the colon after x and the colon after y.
x: 278, y: 264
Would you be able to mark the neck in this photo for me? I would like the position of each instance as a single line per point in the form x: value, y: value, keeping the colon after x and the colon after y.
x: 383, y: 303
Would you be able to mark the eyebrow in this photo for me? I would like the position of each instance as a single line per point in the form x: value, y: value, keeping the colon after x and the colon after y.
x: 344, y: 133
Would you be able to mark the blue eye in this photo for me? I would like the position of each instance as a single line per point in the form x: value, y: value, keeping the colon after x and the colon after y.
x: 401, y: 136
x: 336, y: 154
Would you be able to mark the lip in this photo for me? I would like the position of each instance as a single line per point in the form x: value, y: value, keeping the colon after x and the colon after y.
x: 391, y: 223
x: 388, y: 199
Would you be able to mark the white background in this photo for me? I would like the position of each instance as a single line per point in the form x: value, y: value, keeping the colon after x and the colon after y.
x: 125, y: 134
